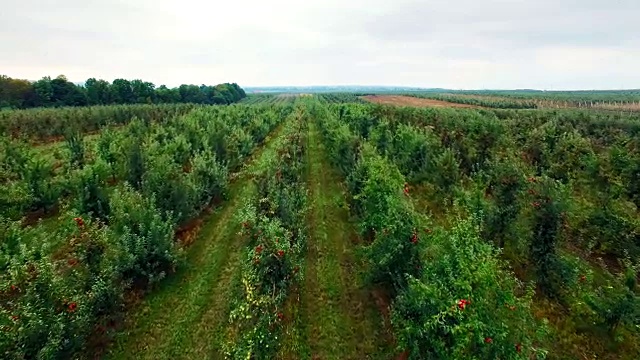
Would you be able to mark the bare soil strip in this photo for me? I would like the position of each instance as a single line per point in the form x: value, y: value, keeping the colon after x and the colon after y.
x: 399, y: 100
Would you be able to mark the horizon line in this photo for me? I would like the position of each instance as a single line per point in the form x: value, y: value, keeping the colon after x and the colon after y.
x: 435, y: 88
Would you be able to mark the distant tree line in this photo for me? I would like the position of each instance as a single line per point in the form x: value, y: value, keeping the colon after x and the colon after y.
x: 48, y: 92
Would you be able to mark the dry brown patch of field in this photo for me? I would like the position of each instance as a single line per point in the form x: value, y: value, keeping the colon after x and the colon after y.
x: 399, y: 100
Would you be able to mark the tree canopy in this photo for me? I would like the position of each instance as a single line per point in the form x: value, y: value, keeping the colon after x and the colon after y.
x: 48, y: 92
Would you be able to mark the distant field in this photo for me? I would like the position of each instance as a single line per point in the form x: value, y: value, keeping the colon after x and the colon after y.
x: 322, y: 226
x: 254, y: 99
x: 413, y: 101
x: 560, y: 100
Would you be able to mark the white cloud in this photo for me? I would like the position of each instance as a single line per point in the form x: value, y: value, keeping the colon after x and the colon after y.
x: 458, y: 44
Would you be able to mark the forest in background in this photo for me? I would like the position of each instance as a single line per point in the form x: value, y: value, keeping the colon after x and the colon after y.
x: 58, y: 92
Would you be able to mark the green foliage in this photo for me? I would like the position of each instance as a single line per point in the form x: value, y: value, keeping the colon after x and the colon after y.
x: 106, y: 148
x: 43, y: 190
x: 505, y: 185
x: 343, y: 145
x: 210, y: 178
x: 386, y: 217
x: 449, y: 286
x: 47, y: 92
x: 274, y: 224
x: 611, y: 229
x: 414, y: 152
x: 134, y: 164
x: 43, y: 124
x: 55, y: 303
x: 62, y: 284
x: 239, y: 145
x: 75, y: 145
x: 13, y: 159
x: 616, y: 303
x: 548, y: 206
x: 142, y: 238
x: 578, y: 211
x: 570, y: 154
x: 464, y: 305
x: 340, y: 98
x: 98, y: 91
x: 165, y: 180
x: 447, y: 174
x: 90, y: 191
x: 43, y: 91
x: 15, y: 93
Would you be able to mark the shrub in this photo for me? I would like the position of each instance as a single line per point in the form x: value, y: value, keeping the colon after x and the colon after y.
x: 548, y: 203
x: 53, y: 302
x: 506, y: 182
x: 43, y: 190
x: 385, y: 217
x: 446, y: 174
x: 90, y: 195
x: 165, y: 181
x: 463, y: 305
x: 107, y: 145
x: 142, y: 238
x: 618, y: 303
x: 75, y: 144
x: 210, y: 178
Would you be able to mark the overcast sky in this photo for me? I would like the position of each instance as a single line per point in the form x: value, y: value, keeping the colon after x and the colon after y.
x: 544, y: 44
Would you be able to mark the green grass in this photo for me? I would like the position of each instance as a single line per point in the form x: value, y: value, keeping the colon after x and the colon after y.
x: 336, y: 317
x: 186, y: 316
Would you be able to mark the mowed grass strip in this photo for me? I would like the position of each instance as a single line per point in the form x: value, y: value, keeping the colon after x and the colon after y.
x: 339, y: 315
x: 187, y: 315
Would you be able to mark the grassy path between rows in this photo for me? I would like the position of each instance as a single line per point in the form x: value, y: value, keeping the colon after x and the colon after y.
x: 186, y: 317
x: 337, y: 318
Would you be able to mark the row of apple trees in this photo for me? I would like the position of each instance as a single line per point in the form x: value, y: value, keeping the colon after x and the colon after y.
x: 452, y: 297
x: 121, y: 198
x: 554, y: 192
x: 274, y: 231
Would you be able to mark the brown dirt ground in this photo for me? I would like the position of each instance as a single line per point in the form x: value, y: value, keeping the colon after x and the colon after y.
x: 412, y: 101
